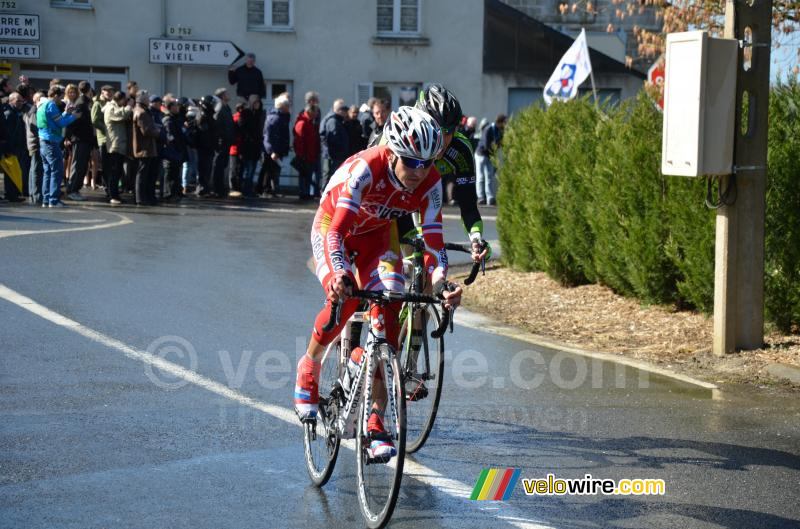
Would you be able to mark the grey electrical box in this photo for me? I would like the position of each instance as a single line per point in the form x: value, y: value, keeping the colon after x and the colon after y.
x: 699, y: 104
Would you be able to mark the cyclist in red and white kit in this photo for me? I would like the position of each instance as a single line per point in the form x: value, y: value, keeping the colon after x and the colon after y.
x: 355, y: 215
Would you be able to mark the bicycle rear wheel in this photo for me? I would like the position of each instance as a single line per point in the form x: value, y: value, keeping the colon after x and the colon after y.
x: 379, y: 481
x: 321, y: 437
x: 422, y: 364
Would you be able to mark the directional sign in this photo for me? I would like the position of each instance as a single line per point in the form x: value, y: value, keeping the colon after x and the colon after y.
x: 194, y: 52
x: 19, y: 27
x: 15, y: 50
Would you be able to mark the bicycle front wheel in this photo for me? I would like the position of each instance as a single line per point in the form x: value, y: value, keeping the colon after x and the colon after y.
x: 320, y: 437
x: 379, y: 480
x: 422, y: 364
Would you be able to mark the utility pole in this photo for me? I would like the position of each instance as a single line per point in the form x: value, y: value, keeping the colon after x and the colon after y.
x: 739, y: 249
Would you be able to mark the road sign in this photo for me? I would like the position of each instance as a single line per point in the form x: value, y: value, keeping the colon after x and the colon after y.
x: 179, y: 31
x: 655, y: 75
x: 15, y: 50
x: 194, y: 52
x: 19, y: 27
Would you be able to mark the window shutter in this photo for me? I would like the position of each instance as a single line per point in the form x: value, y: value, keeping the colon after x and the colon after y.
x: 363, y: 92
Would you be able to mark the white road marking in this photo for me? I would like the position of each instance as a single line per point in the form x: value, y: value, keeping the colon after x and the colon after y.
x: 451, y: 487
x: 16, y: 233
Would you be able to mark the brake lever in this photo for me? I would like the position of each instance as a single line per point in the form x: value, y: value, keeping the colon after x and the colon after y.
x: 452, y: 310
x: 452, y: 317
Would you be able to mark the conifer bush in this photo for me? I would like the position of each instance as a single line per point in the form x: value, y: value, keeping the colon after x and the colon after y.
x: 628, y: 213
x: 782, y: 244
x: 582, y: 198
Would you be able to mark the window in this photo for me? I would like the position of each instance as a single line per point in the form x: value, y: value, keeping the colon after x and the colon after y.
x: 399, y: 17
x: 397, y: 94
x: 273, y: 15
x: 78, y: 4
x: 522, y: 97
x: 276, y: 88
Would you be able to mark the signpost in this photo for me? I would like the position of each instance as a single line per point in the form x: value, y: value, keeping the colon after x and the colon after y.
x: 19, y: 27
x: 193, y: 52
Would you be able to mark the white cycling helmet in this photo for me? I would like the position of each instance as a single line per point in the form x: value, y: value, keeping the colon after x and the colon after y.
x: 411, y: 133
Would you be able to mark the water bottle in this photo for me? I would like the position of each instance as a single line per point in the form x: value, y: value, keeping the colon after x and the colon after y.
x: 353, y: 365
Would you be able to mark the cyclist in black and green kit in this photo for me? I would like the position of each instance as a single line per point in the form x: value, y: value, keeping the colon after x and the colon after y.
x: 457, y: 161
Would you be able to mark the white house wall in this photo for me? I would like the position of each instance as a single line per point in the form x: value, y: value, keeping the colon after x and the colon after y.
x: 330, y: 49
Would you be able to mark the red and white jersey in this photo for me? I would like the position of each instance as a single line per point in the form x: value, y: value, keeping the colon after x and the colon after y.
x: 364, y: 194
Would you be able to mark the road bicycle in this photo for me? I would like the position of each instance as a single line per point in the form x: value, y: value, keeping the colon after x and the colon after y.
x: 421, y: 353
x: 345, y: 406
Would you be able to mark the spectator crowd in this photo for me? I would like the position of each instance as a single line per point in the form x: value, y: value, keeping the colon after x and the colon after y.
x: 145, y: 148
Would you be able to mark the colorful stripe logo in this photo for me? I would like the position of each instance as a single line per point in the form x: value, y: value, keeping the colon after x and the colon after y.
x: 495, y: 484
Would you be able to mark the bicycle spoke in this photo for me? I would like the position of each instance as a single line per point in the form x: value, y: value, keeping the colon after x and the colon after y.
x: 320, y: 439
x: 379, y: 480
x: 423, y: 368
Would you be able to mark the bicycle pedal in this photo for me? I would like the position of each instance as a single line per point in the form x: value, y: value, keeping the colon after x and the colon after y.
x: 378, y: 460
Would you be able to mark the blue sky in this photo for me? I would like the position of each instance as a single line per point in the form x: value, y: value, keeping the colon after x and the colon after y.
x: 784, y: 57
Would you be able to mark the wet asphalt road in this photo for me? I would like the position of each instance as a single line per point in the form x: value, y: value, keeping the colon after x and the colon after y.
x: 91, y: 437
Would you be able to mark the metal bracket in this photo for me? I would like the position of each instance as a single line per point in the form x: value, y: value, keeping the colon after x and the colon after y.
x: 739, y: 169
x: 743, y: 44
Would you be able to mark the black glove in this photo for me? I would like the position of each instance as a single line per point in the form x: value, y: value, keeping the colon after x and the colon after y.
x: 440, y: 286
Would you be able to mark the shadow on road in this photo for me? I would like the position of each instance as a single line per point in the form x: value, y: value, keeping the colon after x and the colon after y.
x: 567, y: 513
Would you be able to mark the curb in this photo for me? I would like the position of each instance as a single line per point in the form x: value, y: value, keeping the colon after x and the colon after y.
x: 480, y: 322
x: 784, y: 372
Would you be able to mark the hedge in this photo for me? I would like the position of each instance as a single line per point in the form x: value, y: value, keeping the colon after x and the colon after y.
x: 582, y: 198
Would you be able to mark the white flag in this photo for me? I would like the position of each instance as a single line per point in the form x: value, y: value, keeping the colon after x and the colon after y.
x: 573, y: 69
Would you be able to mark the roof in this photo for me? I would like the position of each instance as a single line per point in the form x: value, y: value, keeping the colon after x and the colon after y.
x: 514, y: 42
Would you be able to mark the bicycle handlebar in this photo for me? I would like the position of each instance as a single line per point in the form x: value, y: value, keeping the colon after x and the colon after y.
x: 388, y: 296
x: 419, y: 245
x: 480, y: 265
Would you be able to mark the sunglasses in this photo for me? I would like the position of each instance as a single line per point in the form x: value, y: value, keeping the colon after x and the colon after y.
x: 412, y: 163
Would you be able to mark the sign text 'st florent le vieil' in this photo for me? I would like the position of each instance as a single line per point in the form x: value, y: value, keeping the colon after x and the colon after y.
x: 194, y: 52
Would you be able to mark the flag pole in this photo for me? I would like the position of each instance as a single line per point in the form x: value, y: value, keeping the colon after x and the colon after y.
x: 591, y: 70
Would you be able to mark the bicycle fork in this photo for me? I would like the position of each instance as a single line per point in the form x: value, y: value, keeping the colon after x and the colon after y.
x: 379, y: 352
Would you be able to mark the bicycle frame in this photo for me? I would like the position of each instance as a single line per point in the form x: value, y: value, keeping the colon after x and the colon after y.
x: 346, y: 420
